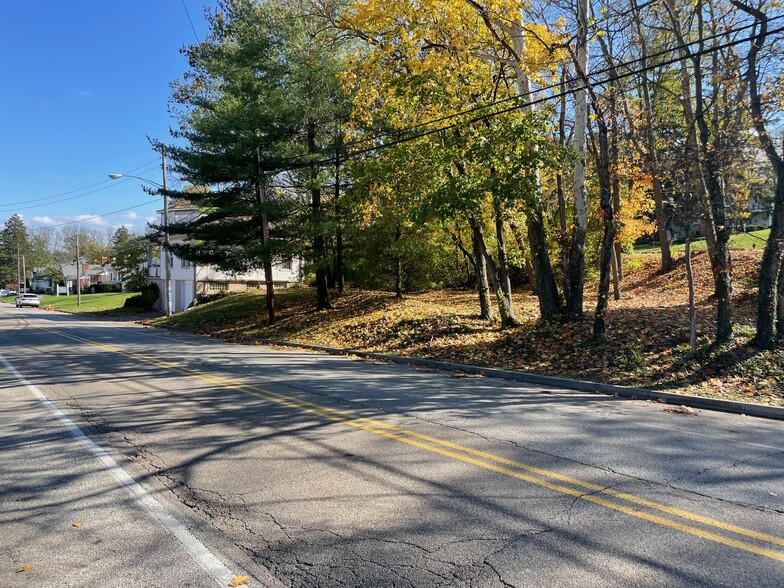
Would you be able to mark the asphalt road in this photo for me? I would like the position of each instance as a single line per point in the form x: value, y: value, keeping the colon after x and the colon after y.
x: 203, y: 461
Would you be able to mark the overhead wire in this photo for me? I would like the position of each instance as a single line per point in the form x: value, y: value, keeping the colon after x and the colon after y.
x: 77, y: 189
x: 80, y: 195
x: 519, y: 97
x: 332, y: 159
x: 43, y: 228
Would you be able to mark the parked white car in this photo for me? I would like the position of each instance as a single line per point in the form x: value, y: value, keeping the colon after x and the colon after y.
x: 28, y: 300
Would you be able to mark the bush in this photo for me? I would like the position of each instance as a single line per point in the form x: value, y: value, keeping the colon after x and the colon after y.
x: 205, y: 298
x: 102, y: 288
x: 146, y: 298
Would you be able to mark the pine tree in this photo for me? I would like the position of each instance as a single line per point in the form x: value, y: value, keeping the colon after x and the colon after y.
x: 14, y: 243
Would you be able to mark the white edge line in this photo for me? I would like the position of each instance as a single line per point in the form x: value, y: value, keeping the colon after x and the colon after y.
x: 197, y: 550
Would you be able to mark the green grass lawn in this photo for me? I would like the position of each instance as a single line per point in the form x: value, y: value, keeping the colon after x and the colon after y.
x: 753, y: 240
x: 107, y: 304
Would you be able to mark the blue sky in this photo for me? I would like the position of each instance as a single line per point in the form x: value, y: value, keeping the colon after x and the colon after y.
x: 84, y: 83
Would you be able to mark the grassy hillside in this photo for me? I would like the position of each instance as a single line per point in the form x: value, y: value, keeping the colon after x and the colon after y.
x: 647, y: 341
x: 752, y: 240
x: 107, y: 304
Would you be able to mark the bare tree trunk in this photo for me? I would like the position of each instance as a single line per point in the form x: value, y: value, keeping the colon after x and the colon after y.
x: 770, y: 300
x: 529, y: 268
x: 261, y: 195
x: 576, y: 273
x: 547, y: 291
x: 651, y: 152
x: 559, y: 189
x: 485, y: 310
x: 605, y: 189
x: 710, y: 171
x: 617, y: 270
x: 339, y: 273
x: 780, y: 301
x: 398, y: 265
x: 319, y: 245
x: 692, y: 306
x: 503, y: 264
x: 504, y: 308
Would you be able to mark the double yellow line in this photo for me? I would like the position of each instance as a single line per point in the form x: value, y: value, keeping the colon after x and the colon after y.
x: 629, y: 504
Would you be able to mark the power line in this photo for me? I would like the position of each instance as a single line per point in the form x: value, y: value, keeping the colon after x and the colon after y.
x: 17, y: 208
x: 332, y: 159
x: 605, y: 70
x: 76, y: 190
x: 190, y: 21
x: 94, y: 217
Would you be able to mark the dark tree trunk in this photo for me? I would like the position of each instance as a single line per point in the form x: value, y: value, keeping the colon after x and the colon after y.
x: 529, y: 268
x: 710, y: 174
x: 339, y: 273
x: 615, y: 265
x: 549, y: 299
x: 575, y: 277
x: 319, y: 243
x: 770, y: 300
x: 503, y: 265
x: 605, y: 190
x: 485, y: 310
x: 692, y: 306
x: 398, y: 265
x: 780, y: 298
x: 339, y: 260
x: 559, y: 190
x: 261, y: 195
x: 504, y: 307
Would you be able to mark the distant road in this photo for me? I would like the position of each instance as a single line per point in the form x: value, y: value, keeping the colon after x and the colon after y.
x: 204, y: 461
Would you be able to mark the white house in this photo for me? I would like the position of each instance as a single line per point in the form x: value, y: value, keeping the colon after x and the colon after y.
x: 190, y: 280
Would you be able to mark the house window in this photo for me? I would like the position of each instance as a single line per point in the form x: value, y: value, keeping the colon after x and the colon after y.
x: 253, y: 285
x: 185, y: 264
x: 286, y: 264
x: 219, y: 286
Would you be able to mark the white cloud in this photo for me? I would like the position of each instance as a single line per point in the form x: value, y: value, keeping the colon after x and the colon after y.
x: 82, y: 93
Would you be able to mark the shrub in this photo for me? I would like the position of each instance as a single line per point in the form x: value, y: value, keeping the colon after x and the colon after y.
x: 102, y: 288
x: 146, y: 297
x: 204, y: 298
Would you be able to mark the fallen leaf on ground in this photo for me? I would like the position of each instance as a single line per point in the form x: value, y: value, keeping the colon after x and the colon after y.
x: 239, y: 581
x: 77, y: 524
x: 24, y: 569
x: 680, y: 409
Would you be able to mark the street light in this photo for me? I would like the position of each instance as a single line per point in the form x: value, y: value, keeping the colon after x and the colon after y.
x: 167, y: 272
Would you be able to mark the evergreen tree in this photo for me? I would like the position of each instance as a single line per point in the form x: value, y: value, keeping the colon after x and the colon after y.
x: 261, y: 98
x: 14, y: 242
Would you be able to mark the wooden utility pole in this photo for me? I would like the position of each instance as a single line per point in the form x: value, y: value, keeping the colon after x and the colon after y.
x: 78, y: 277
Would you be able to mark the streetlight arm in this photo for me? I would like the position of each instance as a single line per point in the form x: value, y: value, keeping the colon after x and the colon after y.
x: 118, y: 176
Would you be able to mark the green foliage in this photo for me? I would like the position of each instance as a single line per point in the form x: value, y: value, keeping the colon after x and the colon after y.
x: 129, y: 255
x: 13, y: 243
x: 146, y: 298
x: 262, y: 93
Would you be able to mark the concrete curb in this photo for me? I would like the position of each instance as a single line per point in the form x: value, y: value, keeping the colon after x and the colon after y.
x: 701, y: 402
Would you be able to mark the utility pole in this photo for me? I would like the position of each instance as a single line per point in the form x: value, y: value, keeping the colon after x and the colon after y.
x: 167, y: 269
x: 18, y: 270
x: 24, y: 274
x: 78, y: 277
